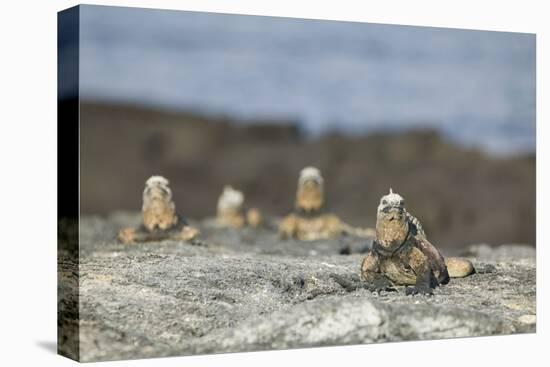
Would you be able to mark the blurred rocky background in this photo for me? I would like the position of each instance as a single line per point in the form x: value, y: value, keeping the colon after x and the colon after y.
x: 462, y: 196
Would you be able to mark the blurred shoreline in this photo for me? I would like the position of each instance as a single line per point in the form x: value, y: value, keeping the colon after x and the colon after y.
x: 476, y: 88
x: 461, y: 195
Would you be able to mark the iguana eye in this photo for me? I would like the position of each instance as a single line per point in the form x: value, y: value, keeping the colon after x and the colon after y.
x: 384, y: 202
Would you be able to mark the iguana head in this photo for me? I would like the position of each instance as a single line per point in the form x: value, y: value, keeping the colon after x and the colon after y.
x: 392, y: 226
x: 230, y: 200
x: 310, y: 193
x: 156, y: 188
x: 158, y: 210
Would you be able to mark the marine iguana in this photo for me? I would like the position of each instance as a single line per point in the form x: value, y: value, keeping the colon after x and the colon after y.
x: 230, y: 211
x: 160, y: 220
x: 309, y: 221
x: 402, y: 254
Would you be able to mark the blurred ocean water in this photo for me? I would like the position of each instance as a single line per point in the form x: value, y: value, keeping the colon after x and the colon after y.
x: 476, y: 87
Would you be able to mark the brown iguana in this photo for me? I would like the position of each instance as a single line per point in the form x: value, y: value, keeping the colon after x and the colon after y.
x: 309, y: 221
x: 230, y: 211
x: 159, y: 218
x: 402, y: 254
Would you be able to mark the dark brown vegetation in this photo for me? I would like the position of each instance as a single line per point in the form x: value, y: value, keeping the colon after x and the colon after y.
x: 461, y: 196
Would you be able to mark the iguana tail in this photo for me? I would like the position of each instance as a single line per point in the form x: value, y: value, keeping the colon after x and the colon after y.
x: 459, y: 267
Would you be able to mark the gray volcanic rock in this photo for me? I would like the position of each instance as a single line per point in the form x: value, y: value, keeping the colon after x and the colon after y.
x: 501, y: 253
x: 247, y: 290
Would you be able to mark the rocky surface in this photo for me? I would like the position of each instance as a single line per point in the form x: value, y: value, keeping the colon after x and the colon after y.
x: 246, y: 290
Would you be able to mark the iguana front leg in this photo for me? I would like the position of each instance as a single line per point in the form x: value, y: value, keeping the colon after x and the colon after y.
x: 420, y: 264
x: 370, y: 273
x: 130, y: 236
x: 182, y: 231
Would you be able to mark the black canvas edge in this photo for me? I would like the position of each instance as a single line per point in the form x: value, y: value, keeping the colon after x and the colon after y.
x: 68, y: 203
